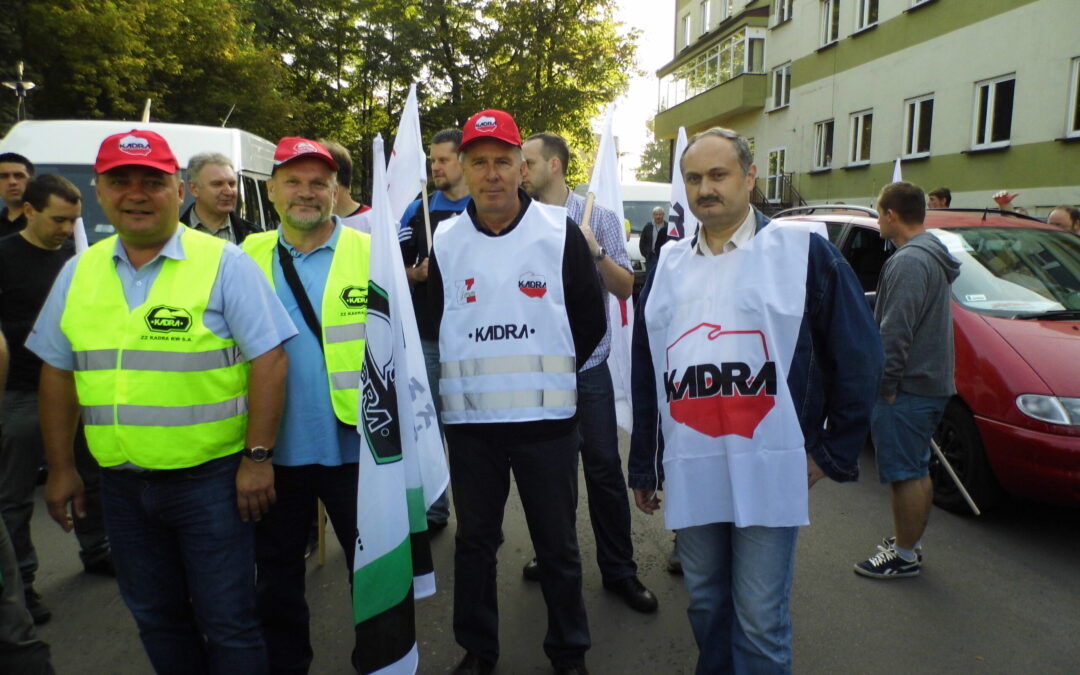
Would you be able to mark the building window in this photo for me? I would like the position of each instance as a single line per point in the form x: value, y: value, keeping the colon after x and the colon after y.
x: 862, y: 127
x: 741, y: 52
x: 687, y: 37
x: 866, y: 12
x: 918, y: 121
x: 1074, y: 101
x: 774, y: 179
x: 783, y: 10
x: 727, y: 8
x: 781, y: 86
x: 830, y: 21
x: 750, y: 142
x: 823, y: 144
x: 993, y: 112
x: 706, y: 7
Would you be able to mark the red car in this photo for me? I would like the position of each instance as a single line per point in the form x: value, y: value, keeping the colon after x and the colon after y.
x: 1014, y: 424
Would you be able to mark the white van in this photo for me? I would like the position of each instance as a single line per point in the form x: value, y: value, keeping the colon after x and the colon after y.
x: 69, y: 147
x: 639, y: 200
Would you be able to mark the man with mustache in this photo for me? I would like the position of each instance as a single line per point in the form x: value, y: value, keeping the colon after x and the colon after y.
x: 319, y: 269
x: 213, y: 183
x: 750, y: 335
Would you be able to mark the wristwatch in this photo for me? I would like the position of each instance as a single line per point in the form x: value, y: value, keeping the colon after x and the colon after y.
x: 601, y: 255
x: 258, y: 453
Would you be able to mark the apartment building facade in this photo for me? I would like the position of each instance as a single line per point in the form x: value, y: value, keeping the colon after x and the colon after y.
x: 975, y: 95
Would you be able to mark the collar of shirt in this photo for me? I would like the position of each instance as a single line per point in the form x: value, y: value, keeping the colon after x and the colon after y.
x: 525, y: 199
x: 173, y: 248
x: 739, y: 238
x: 330, y: 243
x: 196, y: 223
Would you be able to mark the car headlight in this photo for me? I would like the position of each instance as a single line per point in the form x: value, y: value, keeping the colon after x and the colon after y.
x: 1051, y: 409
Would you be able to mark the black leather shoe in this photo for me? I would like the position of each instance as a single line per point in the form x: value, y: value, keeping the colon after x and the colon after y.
x: 579, y: 669
x: 634, y: 593
x: 472, y: 664
x: 531, y: 571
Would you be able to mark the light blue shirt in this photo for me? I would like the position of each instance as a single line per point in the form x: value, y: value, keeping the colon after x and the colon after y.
x: 310, y: 432
x: 242, y: 306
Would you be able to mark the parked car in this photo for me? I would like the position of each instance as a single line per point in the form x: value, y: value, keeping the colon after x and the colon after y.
x: 1014, y: 424
x: 68, y: 148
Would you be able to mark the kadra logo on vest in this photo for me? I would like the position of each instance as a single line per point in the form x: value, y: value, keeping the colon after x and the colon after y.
x: 532, y: 285
x: 720, y: 382
x: 354, y: 297
x: 165, y: 319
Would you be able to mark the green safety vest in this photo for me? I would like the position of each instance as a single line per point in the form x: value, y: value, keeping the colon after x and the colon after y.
x: 343, y: 313
x: 157, y: 387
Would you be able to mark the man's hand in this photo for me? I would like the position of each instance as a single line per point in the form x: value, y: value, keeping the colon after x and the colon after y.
x: 65, y: 487
x: 646, y: 500
x: 254, y: 489
x: 1004, y: 199
x: 419, y: 273
x: 890, y: 399
x: 813, y: 471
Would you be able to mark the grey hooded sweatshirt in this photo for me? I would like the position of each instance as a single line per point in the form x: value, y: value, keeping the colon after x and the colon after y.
x: 914, y: 313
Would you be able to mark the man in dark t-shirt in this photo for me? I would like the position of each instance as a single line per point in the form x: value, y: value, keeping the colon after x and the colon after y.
x: 15, y: 172
x: 29, y: 263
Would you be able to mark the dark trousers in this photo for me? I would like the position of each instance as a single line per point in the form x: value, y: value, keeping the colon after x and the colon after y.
x: 21, y: 651
x: 546, y: 476
x: 185, y: 564
x: 280, y: 540
x: 21, y: 454
x: 609, y: 505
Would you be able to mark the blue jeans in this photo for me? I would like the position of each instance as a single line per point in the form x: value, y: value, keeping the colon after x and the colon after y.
x: 185, y: 563
x: 609, y: 505
x: 439, y: 511
x: 739, y: 580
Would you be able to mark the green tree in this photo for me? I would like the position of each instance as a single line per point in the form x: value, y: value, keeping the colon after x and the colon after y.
x: 655, y: 163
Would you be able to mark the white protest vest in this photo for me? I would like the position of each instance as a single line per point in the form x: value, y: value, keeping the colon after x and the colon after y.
x: 722, y: 332
x: 505, y: 348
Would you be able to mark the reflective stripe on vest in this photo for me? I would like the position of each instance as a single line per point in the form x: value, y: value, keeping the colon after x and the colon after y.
x: 504, y: 400
x: 342, y: 313
x: 158, y: 388
x: 505, y: 365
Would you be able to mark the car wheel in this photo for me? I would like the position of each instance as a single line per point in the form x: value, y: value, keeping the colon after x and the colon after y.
x: 959, y: 440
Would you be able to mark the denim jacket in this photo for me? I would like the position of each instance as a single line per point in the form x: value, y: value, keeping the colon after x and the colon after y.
x: 834, y: 376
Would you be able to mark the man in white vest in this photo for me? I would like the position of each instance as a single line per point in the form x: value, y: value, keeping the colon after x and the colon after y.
x: 750, y: 335
x: 513, y: 289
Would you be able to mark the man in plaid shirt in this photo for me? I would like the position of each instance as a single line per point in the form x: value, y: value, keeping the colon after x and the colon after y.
x: 546, y: 158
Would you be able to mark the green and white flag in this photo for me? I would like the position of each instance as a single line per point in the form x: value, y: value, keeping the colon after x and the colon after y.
x: 402, y: 464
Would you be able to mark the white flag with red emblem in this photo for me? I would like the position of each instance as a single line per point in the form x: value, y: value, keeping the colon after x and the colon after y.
x: 620, y: 313
x: 681, y: 223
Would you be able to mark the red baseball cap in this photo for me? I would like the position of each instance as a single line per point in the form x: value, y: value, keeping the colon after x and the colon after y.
x: 495, y: 124
x: 136, y: 148
x: 294, y: 147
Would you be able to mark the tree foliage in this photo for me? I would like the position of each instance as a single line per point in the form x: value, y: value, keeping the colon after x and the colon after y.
x: 655, y: 162
x: 335, y: 69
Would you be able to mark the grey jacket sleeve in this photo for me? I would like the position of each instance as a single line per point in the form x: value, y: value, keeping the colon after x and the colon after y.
x: 900, y: 303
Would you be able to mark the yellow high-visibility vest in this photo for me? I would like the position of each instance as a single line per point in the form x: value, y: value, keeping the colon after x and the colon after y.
x: 343, y: 313
x: 157, y: 387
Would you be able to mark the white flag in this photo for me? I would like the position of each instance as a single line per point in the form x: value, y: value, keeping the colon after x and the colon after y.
x: 620, y: 313
x: 406, y: 174
x: 402, y: 466
x: 81, y: 243
x: 681, y: 223
x: 897, y: 176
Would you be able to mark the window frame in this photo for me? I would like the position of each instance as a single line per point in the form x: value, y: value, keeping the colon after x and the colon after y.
x: 784, y: 71
x: 688, y: 27
x: 1072, y: 115
x: 913, y: 127
x: 857, y: 127
x: 987, y: 116
x: 824, y: 144
x: 862, y: 13
x: 830, y: 22
x: 706, y: 15
x: 783, y: 10
x: 772, y: 179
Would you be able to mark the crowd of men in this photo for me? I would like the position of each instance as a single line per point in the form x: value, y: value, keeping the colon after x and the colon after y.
x: 194, y: 385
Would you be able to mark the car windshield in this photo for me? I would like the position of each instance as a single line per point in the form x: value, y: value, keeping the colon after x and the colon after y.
x: 640, y: 212
x: 1023, y: 273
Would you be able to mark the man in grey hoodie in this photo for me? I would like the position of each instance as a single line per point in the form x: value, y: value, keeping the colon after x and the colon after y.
x: 914, y: 314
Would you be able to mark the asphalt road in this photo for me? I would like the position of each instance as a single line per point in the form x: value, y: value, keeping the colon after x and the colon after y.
x: 998, y: 594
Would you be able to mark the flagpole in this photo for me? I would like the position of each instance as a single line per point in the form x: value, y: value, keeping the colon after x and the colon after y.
x: 590, y: 200
x: 427, y: 216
